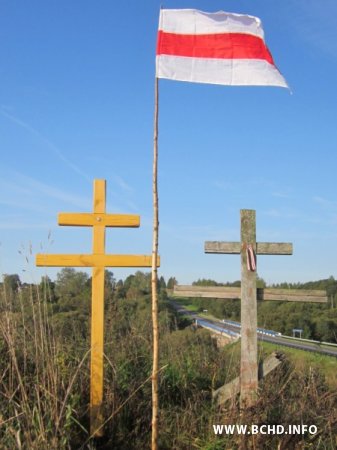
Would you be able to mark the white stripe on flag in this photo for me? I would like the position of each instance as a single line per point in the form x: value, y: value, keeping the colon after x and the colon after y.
x: 234, y: 72
x: 192, y: 21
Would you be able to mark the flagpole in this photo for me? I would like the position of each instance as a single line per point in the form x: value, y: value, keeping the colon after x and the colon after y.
x: 154, y: 278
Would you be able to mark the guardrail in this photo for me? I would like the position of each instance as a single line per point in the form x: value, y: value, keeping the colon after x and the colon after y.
x: 212, y: 327
x: 309, y: 340
x: 259, y: 330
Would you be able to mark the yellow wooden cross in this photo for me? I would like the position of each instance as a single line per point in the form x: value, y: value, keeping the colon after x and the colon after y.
x: 98, y: 260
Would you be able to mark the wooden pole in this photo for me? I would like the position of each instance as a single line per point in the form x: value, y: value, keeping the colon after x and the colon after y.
x: 155, y: 366
x: 249, y: 369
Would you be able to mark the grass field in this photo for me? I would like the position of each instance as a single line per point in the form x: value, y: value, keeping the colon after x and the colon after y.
x: 301, y: 360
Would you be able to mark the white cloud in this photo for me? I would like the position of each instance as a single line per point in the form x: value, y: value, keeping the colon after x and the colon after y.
x: 281, y: 194
x: 325, y: 203
x: 122, y: 184
x: 46, y: 141
x: 21, y: 192
x: 224, y: 185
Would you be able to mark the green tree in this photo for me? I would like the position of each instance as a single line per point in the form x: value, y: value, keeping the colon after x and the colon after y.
x: 171, y: 283
x: 70, y: 283
x: 72, y: 289
x: 205, y: 282
x: 120, y: 291
x: 109, y: 283
x: 139, y: 281
x: 12, y: 282
x: 260, y: 283
x: 161, y: 283
x: 47, y: 288
x: 326, y: 330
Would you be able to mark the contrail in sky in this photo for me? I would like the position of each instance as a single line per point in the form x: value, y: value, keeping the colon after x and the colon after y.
x: 40, y: 136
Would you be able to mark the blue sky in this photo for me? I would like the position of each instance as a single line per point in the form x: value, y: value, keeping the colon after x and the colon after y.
x: 77, y: 102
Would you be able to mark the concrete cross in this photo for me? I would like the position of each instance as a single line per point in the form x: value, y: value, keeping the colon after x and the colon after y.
x: 248, y: 248
x: 249, y: 294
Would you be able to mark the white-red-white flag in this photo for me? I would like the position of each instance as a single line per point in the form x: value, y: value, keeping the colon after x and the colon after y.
x: 216, y: 48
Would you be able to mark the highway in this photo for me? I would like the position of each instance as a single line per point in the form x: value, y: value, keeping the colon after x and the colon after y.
x: 233, y: 329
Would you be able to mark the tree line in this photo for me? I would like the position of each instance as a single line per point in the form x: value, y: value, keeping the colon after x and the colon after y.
x: 70, y: 295
x: 318, y: 321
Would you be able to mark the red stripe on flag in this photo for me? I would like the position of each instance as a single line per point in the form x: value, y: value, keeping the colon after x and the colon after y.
x: 220, y: 46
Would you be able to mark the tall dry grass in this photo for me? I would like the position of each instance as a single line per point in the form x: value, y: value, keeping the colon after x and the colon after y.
x: 37, y: 398
x: 44, y: 381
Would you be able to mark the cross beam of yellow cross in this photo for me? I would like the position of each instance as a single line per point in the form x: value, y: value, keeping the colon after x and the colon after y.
x: 98, y: 260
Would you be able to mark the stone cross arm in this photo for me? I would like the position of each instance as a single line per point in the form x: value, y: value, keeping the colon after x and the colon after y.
x: 272, y: 294
x: 262, y: 248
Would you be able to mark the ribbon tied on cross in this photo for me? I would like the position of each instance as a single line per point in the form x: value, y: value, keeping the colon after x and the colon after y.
x: 251, y: 258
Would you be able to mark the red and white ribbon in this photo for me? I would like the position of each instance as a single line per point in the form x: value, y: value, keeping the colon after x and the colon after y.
x: 251, y: 259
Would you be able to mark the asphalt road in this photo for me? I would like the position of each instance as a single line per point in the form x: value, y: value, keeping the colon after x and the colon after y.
x: 217, y: 325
